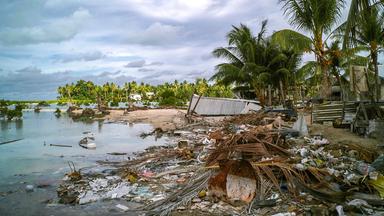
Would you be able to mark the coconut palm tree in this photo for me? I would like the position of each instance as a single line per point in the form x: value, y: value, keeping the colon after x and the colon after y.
x: 317, y: 18
x: 245, y: 59
x: 368, y: 34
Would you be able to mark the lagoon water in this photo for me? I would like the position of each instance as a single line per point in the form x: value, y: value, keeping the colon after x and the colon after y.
x: 33, y: 161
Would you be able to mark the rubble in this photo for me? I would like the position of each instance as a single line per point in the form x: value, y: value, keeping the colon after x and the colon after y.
x: 252, y: 164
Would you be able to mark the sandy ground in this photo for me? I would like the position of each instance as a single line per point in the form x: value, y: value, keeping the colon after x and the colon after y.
x: 166, y: 119
x: 345, y: 137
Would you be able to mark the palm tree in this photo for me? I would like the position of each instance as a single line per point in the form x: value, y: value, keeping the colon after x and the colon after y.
x: 316, y: 17
x: 243, y: 53
x: 368, y: 33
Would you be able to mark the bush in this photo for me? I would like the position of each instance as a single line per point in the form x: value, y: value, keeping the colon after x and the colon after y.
x: 37, y: 109
x: 43, y: 103
x: 3, y: 111
x: 11, y: 114
x: 3, y: 103
x: 114, y: 104
x: 61, y: 103
x: 167, y: 98
x: 20, y: 107
x: 58, y: 112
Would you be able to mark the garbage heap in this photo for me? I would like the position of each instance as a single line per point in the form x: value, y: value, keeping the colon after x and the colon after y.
x: 256, y: 164
x: 253, y: 164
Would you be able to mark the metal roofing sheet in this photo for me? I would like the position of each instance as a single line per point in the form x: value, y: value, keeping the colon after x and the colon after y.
x: 211, y: 106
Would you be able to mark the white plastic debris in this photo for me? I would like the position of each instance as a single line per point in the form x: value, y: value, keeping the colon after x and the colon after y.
x: 340, y: 210
x: 285, y: 214
x: 357, y: 203
x: 29, y: 188
x: 206, y: 141
x: 300, y: 125
x: 122, y: 207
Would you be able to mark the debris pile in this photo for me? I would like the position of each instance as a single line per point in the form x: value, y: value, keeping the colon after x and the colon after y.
x: 253, y: 164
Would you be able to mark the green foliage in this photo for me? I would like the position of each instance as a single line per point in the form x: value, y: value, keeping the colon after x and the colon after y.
x: 16, y: 113
x: 43, y: 103
x: 61, y: 103
x: 114, y: 104
x: 167, y: 98
x: 3, y: 111
x: 3, y: 103
x: 37, y: 109
x: 254, y: 62
x: 110, y: 92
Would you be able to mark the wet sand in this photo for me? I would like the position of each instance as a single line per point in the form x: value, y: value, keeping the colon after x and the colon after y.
x: 166, y: 119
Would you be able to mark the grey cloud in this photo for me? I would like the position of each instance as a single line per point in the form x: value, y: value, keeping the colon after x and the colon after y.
x: 141, y: 64
x: 145, y: 70
x: 87, y: 56
x: 135, y: 64
x: 157, y: 34
x: 31, y: 83
x: 155, y: 64
x: 29, y: 70
x: 54, y: 31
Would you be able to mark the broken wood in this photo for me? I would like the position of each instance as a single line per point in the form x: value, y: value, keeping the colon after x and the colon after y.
x: 10, y: 141
x: 59, y: 145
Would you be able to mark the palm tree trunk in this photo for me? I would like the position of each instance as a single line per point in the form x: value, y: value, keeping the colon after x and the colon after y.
x: 377, y: 77
x: 282, y: 92
x: 260, y: 95
x: 326, y: 88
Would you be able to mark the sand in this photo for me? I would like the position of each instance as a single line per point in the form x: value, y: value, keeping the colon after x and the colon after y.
x: 166, y: 119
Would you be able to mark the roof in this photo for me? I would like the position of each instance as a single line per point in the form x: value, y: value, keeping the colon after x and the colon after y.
x: 212, y: 106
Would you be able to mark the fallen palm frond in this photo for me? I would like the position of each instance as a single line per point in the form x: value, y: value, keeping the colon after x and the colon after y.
x: 197, y: 183
x: 258, y: 118
x: 256, y: 143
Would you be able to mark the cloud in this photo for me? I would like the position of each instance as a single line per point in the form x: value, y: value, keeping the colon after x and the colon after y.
x: 142, y: 63
x: 57, y: 30
x: 156, y: 34
x: 135, y: 64
x: 145, y: 70
x: 87, y: 56
x: 155, y: 64
x: 31, y: 83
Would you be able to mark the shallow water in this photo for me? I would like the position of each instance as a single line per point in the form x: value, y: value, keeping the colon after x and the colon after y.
x: 33, y: 161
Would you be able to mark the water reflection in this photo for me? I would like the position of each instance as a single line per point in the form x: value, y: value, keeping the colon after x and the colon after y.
x: 100, y: 125
x: 30, y: 154
x: 19, y: 124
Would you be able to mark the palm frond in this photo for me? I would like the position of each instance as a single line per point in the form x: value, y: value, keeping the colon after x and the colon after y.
x: 290, y: 39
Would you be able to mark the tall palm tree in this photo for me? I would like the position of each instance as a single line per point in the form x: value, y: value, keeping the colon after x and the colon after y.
x: 368, y: 33
x: 243, y: 56
x: 316, y: 17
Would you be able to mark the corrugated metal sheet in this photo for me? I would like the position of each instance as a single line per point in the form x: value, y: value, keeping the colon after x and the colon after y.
x: 331, y: 112
x: 211, y: 106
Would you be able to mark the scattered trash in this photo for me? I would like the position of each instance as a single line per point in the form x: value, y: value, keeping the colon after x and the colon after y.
x: 59, y: 145
x: 29, y: 188
x: 87, y: 142
x: 122, y: 207
x: 301, y: 126
x: 253, y: 164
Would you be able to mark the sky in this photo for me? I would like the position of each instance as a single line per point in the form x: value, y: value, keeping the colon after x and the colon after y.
x: 48, y: 43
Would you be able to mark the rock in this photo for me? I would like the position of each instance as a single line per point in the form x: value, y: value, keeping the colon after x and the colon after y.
x: 29, y: 188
